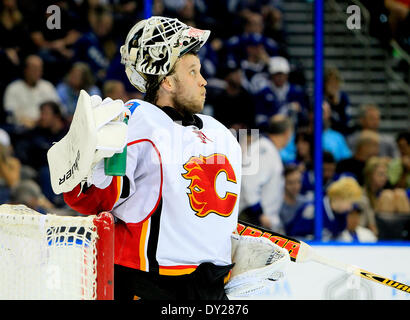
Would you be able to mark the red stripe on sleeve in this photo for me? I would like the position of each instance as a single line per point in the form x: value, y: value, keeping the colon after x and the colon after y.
x: 94, y: 200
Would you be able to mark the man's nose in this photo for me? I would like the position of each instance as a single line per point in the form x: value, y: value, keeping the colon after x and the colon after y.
x: 202, y: 81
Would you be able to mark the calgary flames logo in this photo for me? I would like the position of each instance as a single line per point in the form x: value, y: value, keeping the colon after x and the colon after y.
x: 203, y: 172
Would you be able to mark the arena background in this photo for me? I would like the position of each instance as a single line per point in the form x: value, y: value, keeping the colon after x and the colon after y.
x: 371, y: 52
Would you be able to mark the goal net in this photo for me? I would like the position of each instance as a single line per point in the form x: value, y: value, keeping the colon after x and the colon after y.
x: 55, y: 257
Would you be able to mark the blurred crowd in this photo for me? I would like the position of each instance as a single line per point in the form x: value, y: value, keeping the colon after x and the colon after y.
x: 389, y: 19
x: 252, y: 84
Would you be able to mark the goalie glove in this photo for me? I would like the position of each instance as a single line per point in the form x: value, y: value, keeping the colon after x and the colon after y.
x: 258, y: 264
x: 97, y: 131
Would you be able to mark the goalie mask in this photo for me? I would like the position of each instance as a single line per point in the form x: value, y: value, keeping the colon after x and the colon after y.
x: 153, y: 46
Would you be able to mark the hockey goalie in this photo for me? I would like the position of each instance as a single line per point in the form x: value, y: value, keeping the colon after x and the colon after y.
x: 176, y: 205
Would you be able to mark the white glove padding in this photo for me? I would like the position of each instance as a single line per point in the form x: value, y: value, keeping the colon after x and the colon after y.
x: 97, y: 131
x: 258, y: 263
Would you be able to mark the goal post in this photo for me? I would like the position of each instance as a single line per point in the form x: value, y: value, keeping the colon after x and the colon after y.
x: 53, y: 257
x: 104, y: 223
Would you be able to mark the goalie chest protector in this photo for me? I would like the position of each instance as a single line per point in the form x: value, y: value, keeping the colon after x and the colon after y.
x: 184, y: 184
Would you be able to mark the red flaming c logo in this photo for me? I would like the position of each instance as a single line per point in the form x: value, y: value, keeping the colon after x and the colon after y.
x: 203, y: 172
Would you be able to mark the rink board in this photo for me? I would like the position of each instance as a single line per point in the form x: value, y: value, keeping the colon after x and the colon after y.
x: 313, y: 281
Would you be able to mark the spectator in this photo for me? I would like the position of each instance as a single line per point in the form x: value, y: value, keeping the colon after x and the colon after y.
x: 54, y: 45
x: 262, y: 192
x: 14, y: 188
x: 303, y: 142
x: 399, y: 15
x: 367, y: 216
x: 252, y: 35
x: 383, y: 199
x: 379, y: 21
x: 210, y: 60
x: 50, y: 128
x: 288, y: 153
x: 341, y: 196
x: 399, y: 168
x: 369, y: 119
x: 115, y: 89
x: 280, y: 96
x: 158, y: 8
x: 115, y: 72
x: 13, y: 45
x: 274, y: 25
x: 29, y: 193
x: 329, y: 175
x: 398, y: 20
x: 354, y: 232
x: 126, y: 12
x: 12, y: 30
x: 269, y: 9
x: 233, y: 106
x: 79, y: 78
x: 215, y: 16
x: 192, y: 12
x: 329, y: 170
x: 184, y: 10
x: 251, y: 50
x: 293, y: 200
x: 338, y: 100
x: 9, y: 168
x: 299, y: 149
x: 367, y: 147
x: 333, y: 141
x: 389, y: 19
x: 304, y: 149
x: 255, y: 61
x: 23, y: 97
x: 96, y: 47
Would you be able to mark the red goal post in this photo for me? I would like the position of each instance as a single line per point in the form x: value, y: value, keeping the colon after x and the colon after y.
x: 48, y: 256
x: 104, y: 223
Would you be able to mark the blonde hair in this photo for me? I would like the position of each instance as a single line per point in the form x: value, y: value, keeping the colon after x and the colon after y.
x: 371, y: 165
x: 345, y: 188
x: 109, y: 86
x: 332, y: 72
x: 87, y: 77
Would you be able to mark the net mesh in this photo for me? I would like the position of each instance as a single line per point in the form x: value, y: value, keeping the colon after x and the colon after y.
x: 46, y: 256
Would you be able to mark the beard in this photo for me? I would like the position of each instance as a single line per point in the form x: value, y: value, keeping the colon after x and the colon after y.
x: 187, y: 103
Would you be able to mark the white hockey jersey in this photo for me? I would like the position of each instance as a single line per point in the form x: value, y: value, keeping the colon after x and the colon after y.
x: 178, y: 204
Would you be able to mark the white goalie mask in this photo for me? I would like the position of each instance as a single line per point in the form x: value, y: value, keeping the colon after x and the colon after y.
x: 153, y: 46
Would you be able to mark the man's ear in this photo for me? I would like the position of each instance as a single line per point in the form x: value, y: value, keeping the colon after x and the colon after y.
x: 168, y: 84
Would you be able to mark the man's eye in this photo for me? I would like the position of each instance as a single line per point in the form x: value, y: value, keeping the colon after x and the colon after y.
x: 193, y: 72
